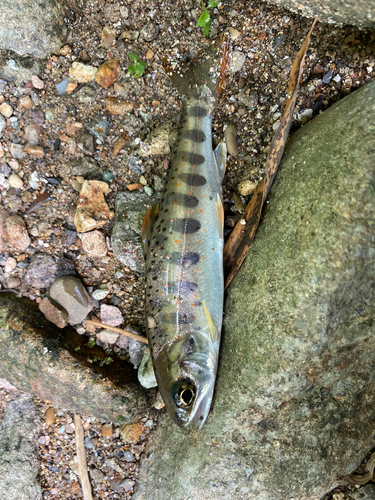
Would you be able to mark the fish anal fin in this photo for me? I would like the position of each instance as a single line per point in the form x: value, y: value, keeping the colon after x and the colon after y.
x: 220, y: 215
x: 214, y: 332
x: 148, y: 222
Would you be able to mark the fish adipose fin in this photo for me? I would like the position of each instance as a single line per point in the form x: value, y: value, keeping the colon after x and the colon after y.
x: 220, y: 154
x: 209, y: 72
x: 148, y: 222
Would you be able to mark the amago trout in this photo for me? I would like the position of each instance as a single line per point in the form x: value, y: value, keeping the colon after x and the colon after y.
x: 183, y: 246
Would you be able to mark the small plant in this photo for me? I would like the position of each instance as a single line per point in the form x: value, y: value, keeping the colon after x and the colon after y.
x: 77, y: 348
x: 95, y: 359
x: 205, y: 18
x: 138, y: 68
x: 90, y: 343
x: 107, y: 361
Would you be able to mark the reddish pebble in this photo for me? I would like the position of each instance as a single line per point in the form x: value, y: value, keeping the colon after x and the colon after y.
x: 108, y: 72
x: 107, y: 430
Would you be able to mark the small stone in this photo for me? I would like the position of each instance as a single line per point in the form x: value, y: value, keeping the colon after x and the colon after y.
x: 107, y: 336
x: 134, y: 187
x: 118, y: 107
x: 13, y: 283
x: 15, y: 181
x: 107, y: 430
x: 129, y: 457
x: 62, y: 86
x: 327, y: 77
x: 99, y: 294
x: 143, y: 180
x: 50, y: 416
x: 10, y: 264
x: 32, y: 134
x: 157, y: 143
x: 3, y: 125
x: 113, y: 464
x: 123, y: 342
x: 108, y: 73
x: 72, y: 85
x: 146, y: 374
x: 149, y: 54
x: 305, y: 116
x: 37, y: 82
x: 36, y: 151
x: 237, y: 61
x: 318, y: 69
x: 337, y: 78
x: 148, y: 190
x: 132, y: 432
x: 100, y: 127
x: 86, y: 94
x: 4, y: 214
x: 77, y: 186
x: 234, y: 34
x: 94, y: 243
x: 250, y: 99
x: 84, y: 56
x: 128, y: 484
x: 6, y: 110
x: 108, y: 37
x: 82, y: 73
x: 25, y: 102
x: 54, y: 312
x: 119, y: 144
x: 89, y: 445
x: 230, y: 135
x: 132, y: 124
x: 110, y: 315
x: 16, y: 233
x: 70, y: 293
x: 158, y: 403
x: 92, y: 210
x: 44, y: 269
x: 69, y: 428
x: 97, y: 475
x: 16, y: 150
x: 247, y: 187
x: 136, y: 349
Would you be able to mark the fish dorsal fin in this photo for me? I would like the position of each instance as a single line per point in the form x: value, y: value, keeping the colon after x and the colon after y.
x: 213, y: 330
x: 220, y: 154
x: 148, y: 222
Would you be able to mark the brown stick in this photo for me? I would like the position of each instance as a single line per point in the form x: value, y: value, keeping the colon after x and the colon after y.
x: 81, y: 455
x: 118, y: 330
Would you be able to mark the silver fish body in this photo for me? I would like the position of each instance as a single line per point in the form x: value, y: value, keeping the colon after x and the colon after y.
x: 184, y: 265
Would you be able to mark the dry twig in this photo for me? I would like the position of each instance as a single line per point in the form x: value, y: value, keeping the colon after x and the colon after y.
x: 81, y: 455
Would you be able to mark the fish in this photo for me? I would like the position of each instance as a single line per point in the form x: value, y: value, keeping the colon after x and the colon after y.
x: 182, y: 241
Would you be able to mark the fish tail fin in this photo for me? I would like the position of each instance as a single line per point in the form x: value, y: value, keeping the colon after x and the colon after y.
x: 187, y: 77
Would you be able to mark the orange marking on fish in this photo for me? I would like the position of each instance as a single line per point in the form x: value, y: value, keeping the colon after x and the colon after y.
x: 198, y: 242
x: 200, y: 210
x: 203, y: 258
x: 177, y: 241
x: 179, y: 184
x: 194, y: 305
x: 197, y: 270
x: 168, y: 317
x: 195, y: 296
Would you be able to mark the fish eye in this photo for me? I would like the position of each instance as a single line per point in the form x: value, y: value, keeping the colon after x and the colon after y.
x: 185, y: 394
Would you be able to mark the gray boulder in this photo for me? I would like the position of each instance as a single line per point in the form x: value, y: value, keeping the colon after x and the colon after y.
x: 33, y: 28
x: 294, y: 408
x: 359, y: 13
x: 19, y: 457
x: 126, y: 239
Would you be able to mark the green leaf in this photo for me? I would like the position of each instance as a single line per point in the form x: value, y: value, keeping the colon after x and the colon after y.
x: 133, y: 56
x: 212, y: 3
x: 141, y: 65
x: 207, y: 29
x: 132, y: 69
x: 204, y: 18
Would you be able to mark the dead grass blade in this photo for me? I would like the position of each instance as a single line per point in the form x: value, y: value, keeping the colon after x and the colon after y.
x: 243, y: 234
x: 352, y: 479
x: 118, y: 330
x: 81, y: 455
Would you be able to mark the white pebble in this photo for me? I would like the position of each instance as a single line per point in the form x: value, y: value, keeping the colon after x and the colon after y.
x: 15, y: 181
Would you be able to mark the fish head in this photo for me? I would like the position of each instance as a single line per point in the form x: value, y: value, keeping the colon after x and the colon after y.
x: 186, y: 371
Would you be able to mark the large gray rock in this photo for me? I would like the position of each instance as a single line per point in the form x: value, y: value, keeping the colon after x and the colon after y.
x: 19, y: 457
x: 359, y: 13
x: 34, y: 28
x: 294, y: 407
x: 61, y: 366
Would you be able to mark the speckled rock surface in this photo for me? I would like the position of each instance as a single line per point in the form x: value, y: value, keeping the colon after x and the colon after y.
x: 359, y: 13
x: 70, y: 293
x: 294, y: 407
x: 33, y: 28
x: 19, y: 457
x: 58, y: 365
x: 126, y: 239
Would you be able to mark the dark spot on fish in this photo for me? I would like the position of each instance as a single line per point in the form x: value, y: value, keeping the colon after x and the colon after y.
x: 197, y: 328
x: 193, y: 180
x: 186, y: 226
x: 194, y: 158
x: 185, y: 200
x: 198, y: 111
x: 182, y: 287
x: 183, y: 318
x: 211, y: 198
x: 194, y: 135
x: 184, y: 259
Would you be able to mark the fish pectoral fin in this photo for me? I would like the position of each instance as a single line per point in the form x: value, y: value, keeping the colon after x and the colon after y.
x: 148, y: 222
x: 220, y: 155
x: 220, y: 215
x: 213, y: 330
